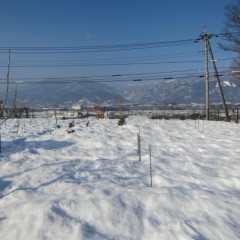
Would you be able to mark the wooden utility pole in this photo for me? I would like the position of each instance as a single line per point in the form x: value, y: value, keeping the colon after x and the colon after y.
x: 205, y: 37
x: 206, y: 76
x: 6, y: 95
x: 219, y: 84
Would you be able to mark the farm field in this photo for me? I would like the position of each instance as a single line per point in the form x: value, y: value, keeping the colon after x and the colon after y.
x: 90, y: 184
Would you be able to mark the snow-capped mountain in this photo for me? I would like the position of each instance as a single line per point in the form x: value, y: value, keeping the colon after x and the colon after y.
x: 174, y: 91
x: 60, y: 94
x: 180, y: 92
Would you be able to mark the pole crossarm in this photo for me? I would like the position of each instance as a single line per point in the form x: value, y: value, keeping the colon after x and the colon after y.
x: 205, y: 36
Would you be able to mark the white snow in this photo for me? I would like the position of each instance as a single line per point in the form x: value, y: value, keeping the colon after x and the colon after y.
x: 90, y: 184
x: 227, y: 83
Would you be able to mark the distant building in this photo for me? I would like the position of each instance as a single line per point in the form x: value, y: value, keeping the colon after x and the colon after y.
x: 76, y: 107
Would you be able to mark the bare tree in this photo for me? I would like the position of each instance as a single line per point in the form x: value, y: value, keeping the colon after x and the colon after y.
x: 231, y: 34
x: 231, y: 31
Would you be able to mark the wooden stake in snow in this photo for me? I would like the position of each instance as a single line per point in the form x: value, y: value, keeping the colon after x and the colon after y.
x: 55, y: 114
x: 150, y: 157
x: 0, y: 142
x: 139, y: 145
x: 22, y: 135
x: 18, y: 124
x: 237, y: 115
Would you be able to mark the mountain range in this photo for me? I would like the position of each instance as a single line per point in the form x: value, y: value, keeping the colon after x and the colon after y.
x: 173, y: 91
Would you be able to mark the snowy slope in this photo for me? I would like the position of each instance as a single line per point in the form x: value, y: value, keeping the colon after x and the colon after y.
x: 90, y: 184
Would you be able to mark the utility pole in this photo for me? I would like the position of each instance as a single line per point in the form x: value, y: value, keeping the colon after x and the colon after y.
x: 6, y: 95
x: 219, y: 84
x: 205, y: 37
x: 206, y: 76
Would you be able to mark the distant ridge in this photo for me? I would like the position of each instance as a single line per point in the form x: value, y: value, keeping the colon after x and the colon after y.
x: 174, y: 91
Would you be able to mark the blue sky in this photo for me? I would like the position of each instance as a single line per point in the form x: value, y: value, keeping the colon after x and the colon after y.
x: 62, y: 23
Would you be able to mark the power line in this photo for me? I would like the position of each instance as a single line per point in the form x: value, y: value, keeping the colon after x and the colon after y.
x: 94, y: 64
x: 128, y: 45
x: 174, y: 73
x: 136, y: 58
x: 221, y: 35
x: 109, y: 63
x: 184, y: 29
x: 111, y: 80
x: 101, y: 64
x: 92, y: 49
x: 140, y: 60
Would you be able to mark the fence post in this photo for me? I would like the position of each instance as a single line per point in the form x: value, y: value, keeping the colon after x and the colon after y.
x: 150, y: 157
x: 55, y: 114
x: 237, y: 116
x: 22, y: 135
x: 139, y: 145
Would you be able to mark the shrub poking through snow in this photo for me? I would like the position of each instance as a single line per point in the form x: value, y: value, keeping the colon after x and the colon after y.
x: 70, y: 127
x: 70, y: 131
x: 99, y: 112
x: 122, y: 121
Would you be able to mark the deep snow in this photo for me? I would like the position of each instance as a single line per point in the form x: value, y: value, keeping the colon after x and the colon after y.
x: 90, y: 184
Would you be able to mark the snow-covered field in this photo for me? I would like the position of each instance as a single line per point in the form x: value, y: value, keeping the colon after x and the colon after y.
x: 90, y: 184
